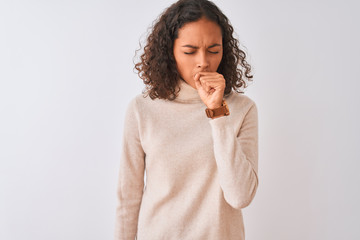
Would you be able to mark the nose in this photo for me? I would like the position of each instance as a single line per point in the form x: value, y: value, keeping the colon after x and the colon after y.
x: 202, y: 61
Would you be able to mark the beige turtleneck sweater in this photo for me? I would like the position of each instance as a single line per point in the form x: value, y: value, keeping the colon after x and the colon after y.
x: 200, y: 172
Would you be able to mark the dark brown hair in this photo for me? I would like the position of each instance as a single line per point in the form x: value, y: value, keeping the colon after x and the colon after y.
x: 157, y: 66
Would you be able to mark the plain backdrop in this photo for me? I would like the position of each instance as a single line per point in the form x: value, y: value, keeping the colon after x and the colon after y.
x: 66, y: 77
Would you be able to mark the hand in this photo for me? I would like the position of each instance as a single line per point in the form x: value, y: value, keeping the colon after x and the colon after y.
x: 210, y: 86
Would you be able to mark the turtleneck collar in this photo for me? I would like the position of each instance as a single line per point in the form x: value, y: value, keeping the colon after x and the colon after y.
x: 187, y: 93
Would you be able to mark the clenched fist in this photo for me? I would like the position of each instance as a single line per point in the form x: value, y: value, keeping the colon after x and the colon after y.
x: 210, y: 86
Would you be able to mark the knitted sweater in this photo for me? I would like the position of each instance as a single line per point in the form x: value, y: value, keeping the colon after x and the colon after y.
x: 200, y: 172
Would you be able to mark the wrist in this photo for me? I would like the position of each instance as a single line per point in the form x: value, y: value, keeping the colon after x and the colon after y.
x: 221, y: 111
x: 215, y: 104
x: 212, y: 107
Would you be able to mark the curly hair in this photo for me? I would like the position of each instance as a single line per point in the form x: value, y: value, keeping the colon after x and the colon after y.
x: 157, y: 66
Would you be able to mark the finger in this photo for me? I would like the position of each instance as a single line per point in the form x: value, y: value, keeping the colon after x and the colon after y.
x: 198, y: 83
x: 197, y: 80
x: 208, y: 81
x: 209, y: 73
x: 212, y: 79
x: 216, y: 75
x: 208, y: 86
x: 212, y: 82
x: 197, y: 76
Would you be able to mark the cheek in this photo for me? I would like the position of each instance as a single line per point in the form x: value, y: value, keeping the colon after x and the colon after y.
x: 215, y: 62
x: 218, y: 60
x: 183, y: 64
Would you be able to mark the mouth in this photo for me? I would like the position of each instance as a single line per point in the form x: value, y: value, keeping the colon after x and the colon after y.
x: 202, y: 70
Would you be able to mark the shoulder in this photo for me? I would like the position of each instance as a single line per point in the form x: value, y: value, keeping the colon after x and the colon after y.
x: 138, y: 100
x: 240, y: 102
x: 139, y: 103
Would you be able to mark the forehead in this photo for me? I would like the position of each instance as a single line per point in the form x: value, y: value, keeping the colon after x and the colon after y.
x: 202, y: 31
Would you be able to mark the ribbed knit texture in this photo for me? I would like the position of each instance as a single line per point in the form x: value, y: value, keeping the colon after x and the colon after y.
x: 200, y: 172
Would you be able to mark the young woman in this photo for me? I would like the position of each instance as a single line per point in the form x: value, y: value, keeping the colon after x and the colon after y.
x: 192, y: 130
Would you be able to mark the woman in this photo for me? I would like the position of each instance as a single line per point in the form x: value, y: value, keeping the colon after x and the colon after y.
x: 195, y: 137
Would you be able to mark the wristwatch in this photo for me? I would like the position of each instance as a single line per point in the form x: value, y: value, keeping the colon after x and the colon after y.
x: 218, y: 112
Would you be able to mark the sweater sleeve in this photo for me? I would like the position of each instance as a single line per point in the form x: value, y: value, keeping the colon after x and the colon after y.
x: 131, y: 177
x: 236, y: 155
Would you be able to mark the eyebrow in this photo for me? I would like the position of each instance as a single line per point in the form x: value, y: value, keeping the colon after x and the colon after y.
x: 195, y: 47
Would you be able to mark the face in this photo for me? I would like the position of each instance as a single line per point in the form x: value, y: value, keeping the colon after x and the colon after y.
x: 198, y: 48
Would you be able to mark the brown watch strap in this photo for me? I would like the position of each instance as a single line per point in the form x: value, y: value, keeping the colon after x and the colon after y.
x: 217, y: 112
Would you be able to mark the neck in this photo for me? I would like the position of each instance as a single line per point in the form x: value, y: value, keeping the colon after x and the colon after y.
x: 187, y: 93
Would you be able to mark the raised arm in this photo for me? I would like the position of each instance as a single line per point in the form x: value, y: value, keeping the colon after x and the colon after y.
x: 236, y: 154
x: 131, y: 178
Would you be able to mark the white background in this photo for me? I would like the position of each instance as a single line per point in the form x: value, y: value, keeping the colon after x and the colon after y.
x: 66, y: 77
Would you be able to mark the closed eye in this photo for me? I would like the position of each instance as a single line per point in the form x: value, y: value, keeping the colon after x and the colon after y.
x: 194, y: 52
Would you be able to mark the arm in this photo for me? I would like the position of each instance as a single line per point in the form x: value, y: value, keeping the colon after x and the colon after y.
x: 236, y: 157
x: 131, y: 178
